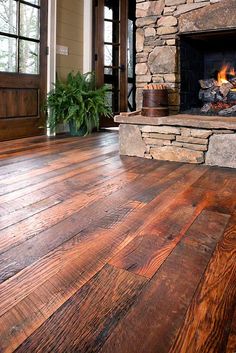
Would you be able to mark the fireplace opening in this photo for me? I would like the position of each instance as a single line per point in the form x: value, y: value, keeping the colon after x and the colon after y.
x: 208, y: 73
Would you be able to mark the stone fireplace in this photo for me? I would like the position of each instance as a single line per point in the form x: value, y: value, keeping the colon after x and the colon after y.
x: 179, y: 42
x: 190, y: 47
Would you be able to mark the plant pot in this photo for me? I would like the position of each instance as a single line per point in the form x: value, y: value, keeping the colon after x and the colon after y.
x: 76, y: 132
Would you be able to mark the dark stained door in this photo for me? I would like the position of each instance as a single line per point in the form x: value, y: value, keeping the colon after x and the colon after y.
x: 114, y: 53
x: 23, y: 63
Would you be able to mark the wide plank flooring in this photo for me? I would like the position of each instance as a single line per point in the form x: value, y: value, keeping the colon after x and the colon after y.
x: 107, y: 254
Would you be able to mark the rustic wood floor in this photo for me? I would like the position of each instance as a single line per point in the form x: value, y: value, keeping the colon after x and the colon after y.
x: 106, y: 254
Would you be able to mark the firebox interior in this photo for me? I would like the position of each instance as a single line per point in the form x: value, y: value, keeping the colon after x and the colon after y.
x: 201, y: 57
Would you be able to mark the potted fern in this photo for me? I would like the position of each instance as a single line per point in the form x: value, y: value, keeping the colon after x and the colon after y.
x: 78, y: 102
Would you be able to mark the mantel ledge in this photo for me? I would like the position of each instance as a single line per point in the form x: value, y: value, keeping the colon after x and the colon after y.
x: 184, y: 120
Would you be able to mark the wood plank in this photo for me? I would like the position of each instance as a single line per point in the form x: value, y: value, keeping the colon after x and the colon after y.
x: 88, y: 320
x: 133, y: 203
x: 215, y: 177
x: 61, y: 187
x: 153, y: 321
x: 45, y: 169
x: 50, y: 150
x: 44, y: 220
x: 205, y: 328
x: 29, y: 252
x: 28, y: 228
x: 69, y: 274
x: 56, y: 278
x: 37, y: 207
x: 37, y: 278
x: 9, y: 193
x: 103, y: 213
x: 231, y: 344
x: 147, y: 252
x: 33, y: 248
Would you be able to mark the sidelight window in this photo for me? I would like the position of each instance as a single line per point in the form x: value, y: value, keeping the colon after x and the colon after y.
x: 20, y: 36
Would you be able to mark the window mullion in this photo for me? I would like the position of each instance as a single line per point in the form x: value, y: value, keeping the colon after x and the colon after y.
x: 18, y: 33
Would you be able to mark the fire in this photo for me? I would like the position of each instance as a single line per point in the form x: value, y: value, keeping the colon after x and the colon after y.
x: 226, y: 69
x: 232, y: 71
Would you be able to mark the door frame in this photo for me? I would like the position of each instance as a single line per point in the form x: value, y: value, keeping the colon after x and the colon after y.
x: 51, y: 58
x: 98, y: 53
x: 88, y: 36
x: 98, y: 48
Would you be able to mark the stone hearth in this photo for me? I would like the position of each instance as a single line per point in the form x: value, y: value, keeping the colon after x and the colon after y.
x: 181, y: 138
x: 159, y: 25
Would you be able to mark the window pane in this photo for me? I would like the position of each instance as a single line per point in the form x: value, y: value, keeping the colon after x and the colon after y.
x: 8, y: 16
x: 108, y: 70
x: 108, y: 55
x: 108, y: 86
x: 109, y: 98
x: 34, y: 2
x: 29, y: 57
x: 131, y: 95
x: 108, y: 31
x: 130, y: 48
x: 108, y: 13
x: 8, y: 54
x: 29, y: 21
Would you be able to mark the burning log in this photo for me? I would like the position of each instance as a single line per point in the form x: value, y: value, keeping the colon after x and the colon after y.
x: 228, y: 111
x: 211, y: 95
x: 232, y: 96
x: 225, y: 88
x: 232, y: 80
x: 219, y: 97
x: 209, y: 83
x: 207, y: 95
x: 206, y: 108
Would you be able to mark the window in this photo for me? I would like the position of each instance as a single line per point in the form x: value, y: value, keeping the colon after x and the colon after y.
x: 20, y: 36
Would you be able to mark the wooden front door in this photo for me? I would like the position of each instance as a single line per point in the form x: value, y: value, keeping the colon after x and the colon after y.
x: 23, y: 62
x: 114, y: 53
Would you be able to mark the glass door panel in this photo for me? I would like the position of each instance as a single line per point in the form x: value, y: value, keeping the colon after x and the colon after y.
x: 8, y: 56
x: 29, y: 21
x: 131, y: 61
x: 111, y: 51
x: 114, y: 51
x: 8, y: 16
x: 20, y: 36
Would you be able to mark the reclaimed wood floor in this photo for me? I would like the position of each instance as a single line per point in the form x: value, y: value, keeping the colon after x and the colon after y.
x: 105, y: 254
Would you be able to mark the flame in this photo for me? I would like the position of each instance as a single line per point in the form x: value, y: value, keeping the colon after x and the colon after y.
x: 232, y: 71
x: 222, y: 75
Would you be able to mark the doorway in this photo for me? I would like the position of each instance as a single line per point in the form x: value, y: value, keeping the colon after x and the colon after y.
x: 114, y: 53
x: 23, y: 67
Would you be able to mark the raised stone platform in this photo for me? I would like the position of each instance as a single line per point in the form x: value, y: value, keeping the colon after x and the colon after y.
x: 183, y: 138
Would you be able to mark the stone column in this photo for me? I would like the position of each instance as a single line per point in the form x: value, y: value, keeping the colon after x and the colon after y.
x: 157, y: 52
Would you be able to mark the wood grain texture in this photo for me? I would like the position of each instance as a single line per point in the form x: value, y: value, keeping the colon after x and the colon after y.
x: 147, y: 252
x: 125, y: 240
x: 231, y: 344
x: 89, y: 316
x: 204, y: 330
x: 151, y: 324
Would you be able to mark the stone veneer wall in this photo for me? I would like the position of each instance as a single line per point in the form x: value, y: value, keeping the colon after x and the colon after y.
x: 179, y: 144
x: 157, y: 46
